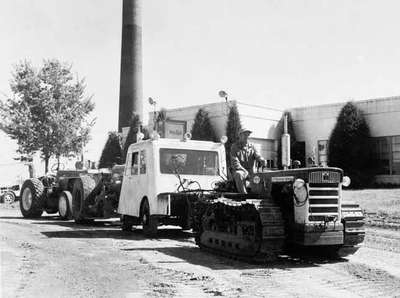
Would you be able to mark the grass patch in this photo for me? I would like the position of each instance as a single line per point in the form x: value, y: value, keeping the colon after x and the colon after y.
x: 384, y: 202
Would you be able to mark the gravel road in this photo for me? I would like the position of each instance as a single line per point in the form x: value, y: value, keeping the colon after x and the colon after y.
x: 49, y: 257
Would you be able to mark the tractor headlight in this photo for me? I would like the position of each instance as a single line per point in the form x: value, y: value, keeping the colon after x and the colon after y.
x: 300, y: 190
x: 298, y: 183
x: 256, y: 179
x: 346, y: 181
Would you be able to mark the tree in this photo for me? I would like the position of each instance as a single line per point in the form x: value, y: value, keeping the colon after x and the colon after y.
x: 134, y: 128
x: 112, y: 152
x: 296, y: 148
x: 233, y: 127
x: 349, y: 146
x: 202, y: 128
x: 48, y: 112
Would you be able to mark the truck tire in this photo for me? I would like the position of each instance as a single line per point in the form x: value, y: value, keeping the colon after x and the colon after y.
x: 150, y: 223
x: 82, y: 187
x: 9, y: 197
x: 64, y: 205
x: 186, y: 220
x: 127, y: 223
x: 32, y: 198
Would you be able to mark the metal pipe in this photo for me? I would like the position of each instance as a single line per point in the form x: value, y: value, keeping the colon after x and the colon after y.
x: 285, y: 144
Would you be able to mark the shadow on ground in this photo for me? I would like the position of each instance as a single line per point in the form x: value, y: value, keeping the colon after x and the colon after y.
x: 197, y: 256
x: 182, y: 250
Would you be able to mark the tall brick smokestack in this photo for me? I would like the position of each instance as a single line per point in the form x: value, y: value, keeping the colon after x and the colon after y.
x: 130, y: 92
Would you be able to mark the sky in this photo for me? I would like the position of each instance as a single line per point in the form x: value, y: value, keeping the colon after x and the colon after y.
x: 274, y: 53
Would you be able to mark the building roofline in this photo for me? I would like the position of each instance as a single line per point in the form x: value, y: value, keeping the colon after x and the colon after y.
x: 388, y: 98
x: 223, y: 102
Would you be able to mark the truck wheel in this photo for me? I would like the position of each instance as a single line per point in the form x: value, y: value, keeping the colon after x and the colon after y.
x: 186, y: 219
x: 64, y: 201
x: 32, y: 198
x: 126, y: 223
x: 81, y: 189
x: 9, y: 197
x: 150, y: 223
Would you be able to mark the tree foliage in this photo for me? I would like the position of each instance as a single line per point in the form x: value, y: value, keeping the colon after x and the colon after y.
x: 134, y: 128
x: 296, y: 149
x: 48, y: 111
x: 233, y: 127
x: 202, y: 128
x: 112, y: 152
x: 349, y: 146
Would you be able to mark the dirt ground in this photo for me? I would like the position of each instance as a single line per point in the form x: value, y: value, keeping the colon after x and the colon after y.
x: 49, y: 257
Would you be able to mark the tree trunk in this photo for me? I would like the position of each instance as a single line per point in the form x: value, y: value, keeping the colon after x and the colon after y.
x: 31, y: 168
x: 46, y: 164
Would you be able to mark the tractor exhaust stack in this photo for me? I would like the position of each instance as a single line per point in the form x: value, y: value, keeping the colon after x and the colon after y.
x: 285, y: 144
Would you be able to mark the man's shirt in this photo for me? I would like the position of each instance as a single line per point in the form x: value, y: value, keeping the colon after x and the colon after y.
x: 243, y: 156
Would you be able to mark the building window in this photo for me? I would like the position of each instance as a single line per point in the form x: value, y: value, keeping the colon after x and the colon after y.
x: 323, y: 153
x: 382, y: 155
x: 396, y: 155
x: 387, y: 155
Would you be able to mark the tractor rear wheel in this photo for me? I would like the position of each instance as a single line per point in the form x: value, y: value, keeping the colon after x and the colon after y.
x: 32, y: 198
x: 81, y: 189
x: 150, y: 223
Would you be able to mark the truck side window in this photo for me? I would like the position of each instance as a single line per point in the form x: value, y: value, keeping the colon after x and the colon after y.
x: 143, y: 162
x: 135, y: 163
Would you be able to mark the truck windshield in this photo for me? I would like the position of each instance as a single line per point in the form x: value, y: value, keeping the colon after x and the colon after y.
x: 189, y: 162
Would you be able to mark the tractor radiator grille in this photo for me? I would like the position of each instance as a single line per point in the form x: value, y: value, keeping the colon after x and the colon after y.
x: 323, y: 194
x: 324, y: 177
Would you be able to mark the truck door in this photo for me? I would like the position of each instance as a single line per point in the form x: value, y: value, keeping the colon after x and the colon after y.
x: 129, y: 196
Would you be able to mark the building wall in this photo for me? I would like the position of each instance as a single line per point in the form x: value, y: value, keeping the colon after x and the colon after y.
x: 315, y: 123
x: 261, y: 120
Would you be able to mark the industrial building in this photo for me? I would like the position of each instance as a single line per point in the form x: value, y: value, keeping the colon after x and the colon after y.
x: 312, y: 125
x: 261, y: 120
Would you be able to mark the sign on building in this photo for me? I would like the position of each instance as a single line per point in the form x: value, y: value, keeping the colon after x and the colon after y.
x: 174, y: 129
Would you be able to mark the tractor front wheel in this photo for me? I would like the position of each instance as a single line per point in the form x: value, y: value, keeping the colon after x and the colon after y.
x: 9, y: 197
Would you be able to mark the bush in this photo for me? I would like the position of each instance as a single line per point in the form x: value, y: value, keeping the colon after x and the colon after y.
x: 134, y: 127
x: 233, y: 127
x: 112, y: 153
x: 350, y: 146
x: 202, y: 128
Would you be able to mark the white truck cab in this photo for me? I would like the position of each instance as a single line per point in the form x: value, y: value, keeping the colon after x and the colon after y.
x: 156, y: 168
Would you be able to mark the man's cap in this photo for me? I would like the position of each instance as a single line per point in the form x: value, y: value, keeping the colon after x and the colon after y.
x: 245, y: 130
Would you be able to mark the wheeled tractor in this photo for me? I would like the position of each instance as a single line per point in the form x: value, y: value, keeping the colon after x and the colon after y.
x: 77, y: 195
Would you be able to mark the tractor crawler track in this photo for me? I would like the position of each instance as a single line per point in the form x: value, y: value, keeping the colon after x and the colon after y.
x: 249, y: 230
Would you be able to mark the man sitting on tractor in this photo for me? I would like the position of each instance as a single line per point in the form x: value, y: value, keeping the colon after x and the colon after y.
x: 243, y: 157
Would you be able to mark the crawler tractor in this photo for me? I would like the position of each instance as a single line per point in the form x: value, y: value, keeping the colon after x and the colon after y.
x: 301, y: 207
